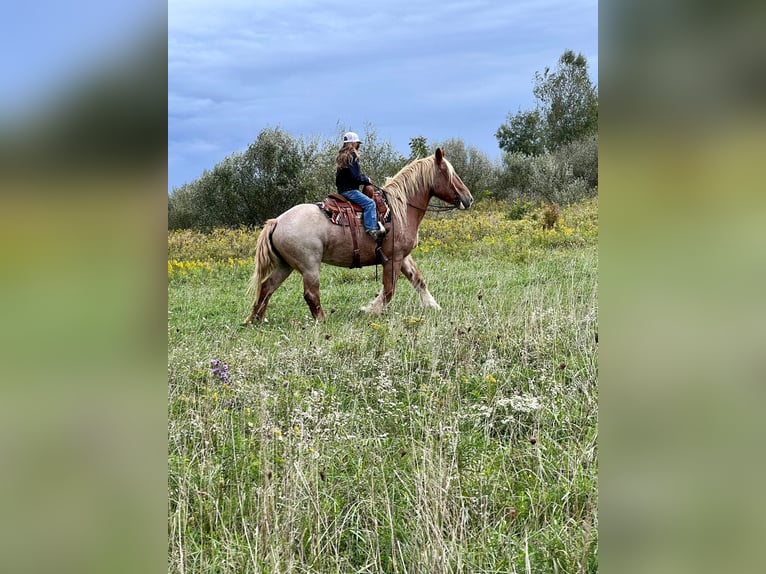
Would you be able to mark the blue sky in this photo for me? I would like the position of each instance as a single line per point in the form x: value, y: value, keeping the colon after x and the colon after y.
x: 47, y: 44
x: 405, y: 68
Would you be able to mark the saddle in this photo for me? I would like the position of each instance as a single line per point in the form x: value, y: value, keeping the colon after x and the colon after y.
x: 348, y: 214
x: 341, y: 211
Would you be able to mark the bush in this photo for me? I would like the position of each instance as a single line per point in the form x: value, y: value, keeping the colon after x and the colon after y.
x: 472, y: 165
x: 519, y: 209
x: 378, y: 160
x: 551, y: 215
x: 582, y: 158
x: 513, y: 181
x: 564, y: 176
x: 275, y: 173
x: 181, y: 210
x: 548, y: 178
x: 247, y: 188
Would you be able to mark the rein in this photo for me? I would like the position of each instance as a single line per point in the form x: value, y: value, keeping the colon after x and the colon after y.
x: 435, y: 208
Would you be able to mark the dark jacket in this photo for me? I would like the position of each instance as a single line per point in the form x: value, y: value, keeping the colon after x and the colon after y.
x: 350, y: 177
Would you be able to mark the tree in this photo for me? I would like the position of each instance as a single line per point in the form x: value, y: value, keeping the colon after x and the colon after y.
x: 566, y: 110
x: 418, y: 147
x: 182, y: 213
x: 247, y: 188
x: 523, y: 133
x: 274, y: 174
x: 568, y: 99
x: 472, y: 164
x: 379, y: 159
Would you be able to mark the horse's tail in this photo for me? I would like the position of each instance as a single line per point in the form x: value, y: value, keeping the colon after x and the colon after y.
x: 265, y: 260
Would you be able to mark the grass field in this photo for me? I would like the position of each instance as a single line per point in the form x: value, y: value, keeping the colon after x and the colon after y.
x: 460, y: 440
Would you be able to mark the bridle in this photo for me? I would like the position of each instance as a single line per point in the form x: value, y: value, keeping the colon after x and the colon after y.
x: 435, y: 208
x: 429, y: 207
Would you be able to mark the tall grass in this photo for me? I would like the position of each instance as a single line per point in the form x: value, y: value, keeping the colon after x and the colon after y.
x: 462, y: 440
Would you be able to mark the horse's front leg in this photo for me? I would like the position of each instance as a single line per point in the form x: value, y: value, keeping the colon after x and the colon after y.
x: 411, y: 272
x: 391, y: 269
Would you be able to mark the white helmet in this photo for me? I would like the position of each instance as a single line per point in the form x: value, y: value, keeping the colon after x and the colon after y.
x: 351, y: 137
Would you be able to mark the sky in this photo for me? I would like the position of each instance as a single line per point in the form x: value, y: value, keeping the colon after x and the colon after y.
x: 47, y: 44
x: 449, y: 69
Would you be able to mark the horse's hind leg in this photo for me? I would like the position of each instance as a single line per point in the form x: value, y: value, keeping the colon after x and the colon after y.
x: 311, y: 293
x: 271, y: 284
x: 411, y: 272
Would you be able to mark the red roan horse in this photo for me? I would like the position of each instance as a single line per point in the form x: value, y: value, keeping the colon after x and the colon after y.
x: 303, y: 238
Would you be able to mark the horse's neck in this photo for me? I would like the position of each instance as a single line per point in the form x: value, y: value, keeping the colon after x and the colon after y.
x: 414, y: 200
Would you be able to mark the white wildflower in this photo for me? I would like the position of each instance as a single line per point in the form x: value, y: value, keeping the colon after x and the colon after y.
x: 520, y: 403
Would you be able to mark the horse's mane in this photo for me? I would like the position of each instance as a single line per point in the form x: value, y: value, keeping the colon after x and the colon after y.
x: 410, y: 180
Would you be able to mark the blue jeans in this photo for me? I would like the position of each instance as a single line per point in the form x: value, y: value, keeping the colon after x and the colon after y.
x: 370, y: 215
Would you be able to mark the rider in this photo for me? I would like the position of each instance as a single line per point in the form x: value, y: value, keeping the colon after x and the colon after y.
x: 348, y: 178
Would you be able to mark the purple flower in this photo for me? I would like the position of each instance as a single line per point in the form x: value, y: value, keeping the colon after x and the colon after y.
x: 220, y: 370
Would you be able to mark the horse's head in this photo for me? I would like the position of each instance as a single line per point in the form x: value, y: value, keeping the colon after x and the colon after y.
x: 447, y: 183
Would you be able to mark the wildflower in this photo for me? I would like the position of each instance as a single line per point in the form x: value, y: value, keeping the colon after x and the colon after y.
x: 221, y: 371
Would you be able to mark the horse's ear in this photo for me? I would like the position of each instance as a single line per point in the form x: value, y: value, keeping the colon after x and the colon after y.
x: 439, y: 155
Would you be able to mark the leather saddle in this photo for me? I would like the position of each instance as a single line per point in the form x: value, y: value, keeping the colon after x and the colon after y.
x: 348, y: 214
x: 341, y: 211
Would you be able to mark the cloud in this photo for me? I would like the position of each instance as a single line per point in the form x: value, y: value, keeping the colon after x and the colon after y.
x: 430, y: 68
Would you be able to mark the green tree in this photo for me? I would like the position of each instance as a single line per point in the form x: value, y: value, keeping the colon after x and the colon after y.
x: 182, y: 213
x: 247, y: 188
x: 566, y: 110
x: 418, y: 147
x: 568, y: 99
x: 524, y: 133
x: 275, y: 168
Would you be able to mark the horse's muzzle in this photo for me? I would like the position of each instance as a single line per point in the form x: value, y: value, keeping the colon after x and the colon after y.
x: 464, y: 202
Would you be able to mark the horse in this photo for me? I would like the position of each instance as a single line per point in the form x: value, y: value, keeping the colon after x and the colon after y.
x: 303, y: 237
